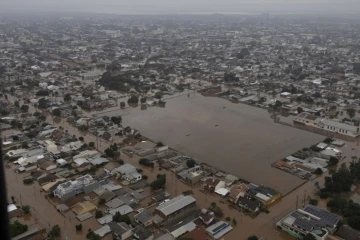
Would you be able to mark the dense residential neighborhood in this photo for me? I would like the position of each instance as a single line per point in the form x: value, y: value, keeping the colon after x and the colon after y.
x: 84, y: 102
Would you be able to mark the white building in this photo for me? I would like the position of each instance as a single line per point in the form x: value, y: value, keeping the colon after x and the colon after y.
x: 69, y: 189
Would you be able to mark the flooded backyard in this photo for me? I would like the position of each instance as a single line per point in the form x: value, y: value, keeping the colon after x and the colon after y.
x: 236, y: 138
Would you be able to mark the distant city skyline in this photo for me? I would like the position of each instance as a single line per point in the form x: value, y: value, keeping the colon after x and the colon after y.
x: 184, y: 6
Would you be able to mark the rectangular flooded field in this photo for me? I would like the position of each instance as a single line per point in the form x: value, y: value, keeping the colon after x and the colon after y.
x: 235, y: 138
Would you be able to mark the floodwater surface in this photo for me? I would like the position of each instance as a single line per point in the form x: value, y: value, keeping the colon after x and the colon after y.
x: 236, y: 138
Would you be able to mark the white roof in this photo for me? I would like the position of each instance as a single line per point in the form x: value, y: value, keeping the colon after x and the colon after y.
x: 11, y: 207
x: 103, y: 231
x: 285, y: 93
x: 80, y: 161
x: 222, y: 191
x: 123, y: 210
x: 262, y: 197
x: 61, y: 161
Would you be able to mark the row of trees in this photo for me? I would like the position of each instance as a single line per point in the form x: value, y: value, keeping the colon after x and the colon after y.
x: 159, y: 182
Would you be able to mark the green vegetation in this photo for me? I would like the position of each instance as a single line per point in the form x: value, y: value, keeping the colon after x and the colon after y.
x: 318, y: 171
x: 99, y: 214
x: 217, y: 210
x: 146, y: 162
x: 17, y: 228
x: 333, y: 161
x: 159, y: 182
x: 234, y: 221
x: 143, y: 100
x: 253, y: 237
x: 55, y: 232
x: 190, y: 163
x: 121, y: 218
x: 24, y: 108
x: 309, y: 236
x: 351, y: 112
x: 78, y: 227
x: 347, y: 208
x: 91, y: 144
x: 187, y: 192
x: 133, y: 99
x: 67, y: 97
x: 313, y: 201
x: 101, y: 201
x: 300, y: 110
x: 56, y: 112
x: 25, y: 209
x: 228, y: 219
x: 159, y: 144
x: 116, y: 120
x: 83, y: 128
x: 328, y: 140
x: 92, y: 236
x: 28, y: 181
x: 43, y: 103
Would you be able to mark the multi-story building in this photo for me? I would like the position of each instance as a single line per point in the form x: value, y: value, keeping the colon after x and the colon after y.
x: 311, y: 219
x: 69, y: 189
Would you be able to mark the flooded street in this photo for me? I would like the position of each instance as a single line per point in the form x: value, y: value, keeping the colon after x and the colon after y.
x: 236, y: 138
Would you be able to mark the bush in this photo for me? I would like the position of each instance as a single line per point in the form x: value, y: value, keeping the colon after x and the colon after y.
x: 313, y: 202
x: 55, y: 232
x: 133, y: 99
x: 25, y: 209
x: 324, y: 194
x: 28, y: 181
x: 188, y: 192
x: 218, y: 212
x: 92, y: 236
x: 253, y: 237
x: 333, y: 161
x: 318, y: 171
x: 159, y: 182
x: 328, y: 140
x: 101, y: 201
x: 78, y: 227
x: 17, y: 228
x: 121, y: 218
x: 99, y: 214
x: 228, y: 219
x: 91, y: 144
x: 159, y: 144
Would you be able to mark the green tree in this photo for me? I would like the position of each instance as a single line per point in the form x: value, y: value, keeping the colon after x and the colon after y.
x: 253, y: 237
x: 92, y: 236
x: 300, y: 110
x: 91, y: 144
x: 17, y: 228
x: 159, y: 182
x: 318, y: 171
x: 351, y: 112
x: 116, y: 120
x: 121, y: 218
x: 309, y: 236
x: 42, y: 103
x: 333, y: 161
x: 101, y: 201
x: 24, y: 108
x: 67, y: 97
x: 190, y: 163
x: 56, y: 112
x: 354, y: 222
x: 78, y: 227
x: 16, y: 104
x: 54, y: 232
x: 25, y: 209
x: 109, y: 152
x: 143, y: 100
x: 133, y: 99
x: 99, y: 214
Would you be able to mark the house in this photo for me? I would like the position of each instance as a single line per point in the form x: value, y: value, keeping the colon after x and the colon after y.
x: 213, y: 184
x: 105, y: 219
x: 218, y: 229
x: 83, y: 207
x: 120, y: 230
x: 103, y: 231
x: 192, y: 175
x: 331, y: 152
x: 144, y: 218
x: 70, y: 189
x: 265, y: 195
x: 176, y: 208
x: 206, y: 216
x: 312, y: 220
x: 127, y: 172
x: 114, y: 203
x: 123, y: 210
x: 347, y: 233
x: 237, y: 191
x: 142, y: 233
x: 251, y: 205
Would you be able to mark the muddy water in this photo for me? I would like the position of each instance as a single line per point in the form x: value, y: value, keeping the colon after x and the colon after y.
x: 236, y: 138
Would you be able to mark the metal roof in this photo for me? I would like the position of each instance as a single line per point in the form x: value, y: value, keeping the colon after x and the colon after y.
x: 175, y: 204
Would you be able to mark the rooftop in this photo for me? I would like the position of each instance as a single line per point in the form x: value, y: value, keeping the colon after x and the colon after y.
x: 175, y: 204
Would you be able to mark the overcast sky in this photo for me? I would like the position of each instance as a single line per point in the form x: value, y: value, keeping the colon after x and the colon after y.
x: 183, y: 6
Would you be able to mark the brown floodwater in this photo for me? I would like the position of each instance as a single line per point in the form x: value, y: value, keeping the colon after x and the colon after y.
x: 236, y: 138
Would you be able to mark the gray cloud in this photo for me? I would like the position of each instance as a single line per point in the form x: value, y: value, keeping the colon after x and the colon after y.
x: 185, y: 6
